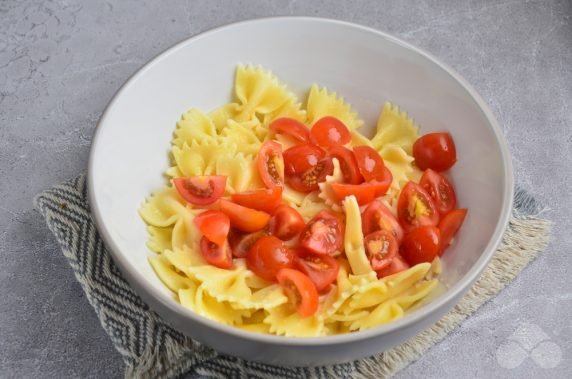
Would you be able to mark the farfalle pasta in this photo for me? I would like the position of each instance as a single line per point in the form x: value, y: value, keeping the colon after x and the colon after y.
x: 285, y: 219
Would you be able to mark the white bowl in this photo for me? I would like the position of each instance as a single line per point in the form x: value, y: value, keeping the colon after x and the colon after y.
x: 367, y: 67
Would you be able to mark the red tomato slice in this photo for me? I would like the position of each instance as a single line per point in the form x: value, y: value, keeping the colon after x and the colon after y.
x: 348, y: 164
x: 241, y: 243
x: 243, y: 218
x: 436, y: 151
x: 292, y: 128
x: 300, y: 291
x: 421, y: 245
x: 266, y: 199
x: 415, y: 207
x: 329, y: 132
x: 450, y: 225
x: 267, y: 256
x: 308, y: 181
x: 370, y: 163
x: 299, y: 159
x: 214, y: 225
x: 215, y: 254
x: 397, y: 264
x: 381, y: 247
x: 270, y: 164
x: 378, y: 217
x: 440, y: 190
x: 200, y: 190
x: 286, y: 223
x: 323, y: 234
x: 321, y: 269
x: 365, y: 193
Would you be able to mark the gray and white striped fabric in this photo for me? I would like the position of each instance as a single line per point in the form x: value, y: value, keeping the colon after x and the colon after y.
x: 153, y: 349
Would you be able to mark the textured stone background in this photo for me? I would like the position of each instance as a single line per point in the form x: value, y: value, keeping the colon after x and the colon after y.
x: 61, y: 61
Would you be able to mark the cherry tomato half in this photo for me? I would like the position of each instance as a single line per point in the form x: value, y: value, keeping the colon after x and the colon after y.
x: 200, y: 190
x: 300, y: 291
x: 308, y: 181
x: 265, y: 199
x: 270, y: 164
x: 267, y: 256
x: 370, y: 163
x: 415, y: 207
x: 299, y: 159
x: 241, y: 243
x: 381, y: 247
x: 291, y: 128
x: 321, y: 269
x: 243, y: 218
x: 214, y: 225
x: 421, y: 245
x: 348, y: 164
x: 450, y: 225
x: 436, y: 151
x: 323, y: 234
x: 397, y: 264
x: 329, y: 131
x: 440, y: 190
x: 215, y: 254
x: 365, y: 193
x: 378, y: 217
x: 286, y: 223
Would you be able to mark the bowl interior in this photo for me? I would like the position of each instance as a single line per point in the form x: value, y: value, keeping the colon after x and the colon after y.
x: 130, y: 152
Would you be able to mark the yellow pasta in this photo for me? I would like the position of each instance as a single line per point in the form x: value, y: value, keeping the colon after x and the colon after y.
x: 226, y: 142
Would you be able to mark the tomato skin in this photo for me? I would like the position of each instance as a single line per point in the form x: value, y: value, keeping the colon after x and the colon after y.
x: 241, y: 243
x: 421, y: 245
x: 265, y: 199
x: 214, y: 225
x: 450, y: 225
x: 370, y: 163
x: 329, y: 132
x: 397, y: 264
x: 201, y: 190
x: 286, y: 223
x: 300, y: 158
x: 436, y: 151
x: 378, y: 217
x: 267, y: 256
x: 270, y: 164
x: 348, y: 164
x: 300, y: 290
x: 365, y: 193
x: 440, y: 190
x: 381, y: 247
x: 321, y: 269
x: 415, y: 207
x: 308, y: 181
x: 323, y: 234
x: 291, y: 128
x: 243, y: 218
x: 215, y: 254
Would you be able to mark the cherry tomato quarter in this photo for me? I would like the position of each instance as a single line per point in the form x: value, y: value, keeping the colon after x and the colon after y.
x: 267, y: 256
x: 291, y: 128
x: 421, y: 244
x: 381, y: 247
x: 270, y: 164
x: 200, y: 190
x: 243, y: 218
x: 323, y: 234
x: 321, y: 269
x: 329, y: 131
x: 450, y: 225
x: 265, y: 199
x: 436, y: 151
x: 214, y: 225
x: 440, y: 190
x: 286, y: 223
x: 300, y: 291
x: 415, y: 207
x: 215, y: 254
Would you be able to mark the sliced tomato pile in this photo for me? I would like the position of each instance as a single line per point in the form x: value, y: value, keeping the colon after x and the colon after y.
x: 278, y: 245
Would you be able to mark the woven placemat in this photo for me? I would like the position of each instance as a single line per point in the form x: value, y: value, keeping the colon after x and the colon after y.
x: 152, y: 349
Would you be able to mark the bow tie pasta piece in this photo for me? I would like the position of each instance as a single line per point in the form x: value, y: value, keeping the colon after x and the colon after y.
x: 353, y: 238
x: 290, y: 109
x: 194, y: 126
x: 220, y: 116
x: 401, y: 165
x: 311, y: 205
x: 162, y: 208
x: 173, y: 279
x: 258, y: 93
x: 359, y: 139
x: 322, y: 103
x: 396, y: 128
x: 183, y: 259
x: 243, y: 136
x: 159, y: 238
x: 285, y: 321
x: 240, y: 171
x: 185, y: 232
x: 221, y: 311
x: 200, y: 159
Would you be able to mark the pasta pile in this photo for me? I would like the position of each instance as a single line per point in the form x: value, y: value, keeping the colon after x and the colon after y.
x: 225, y: 142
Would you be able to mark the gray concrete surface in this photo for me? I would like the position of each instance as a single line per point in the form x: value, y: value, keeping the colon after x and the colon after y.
x: 61, y: 61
